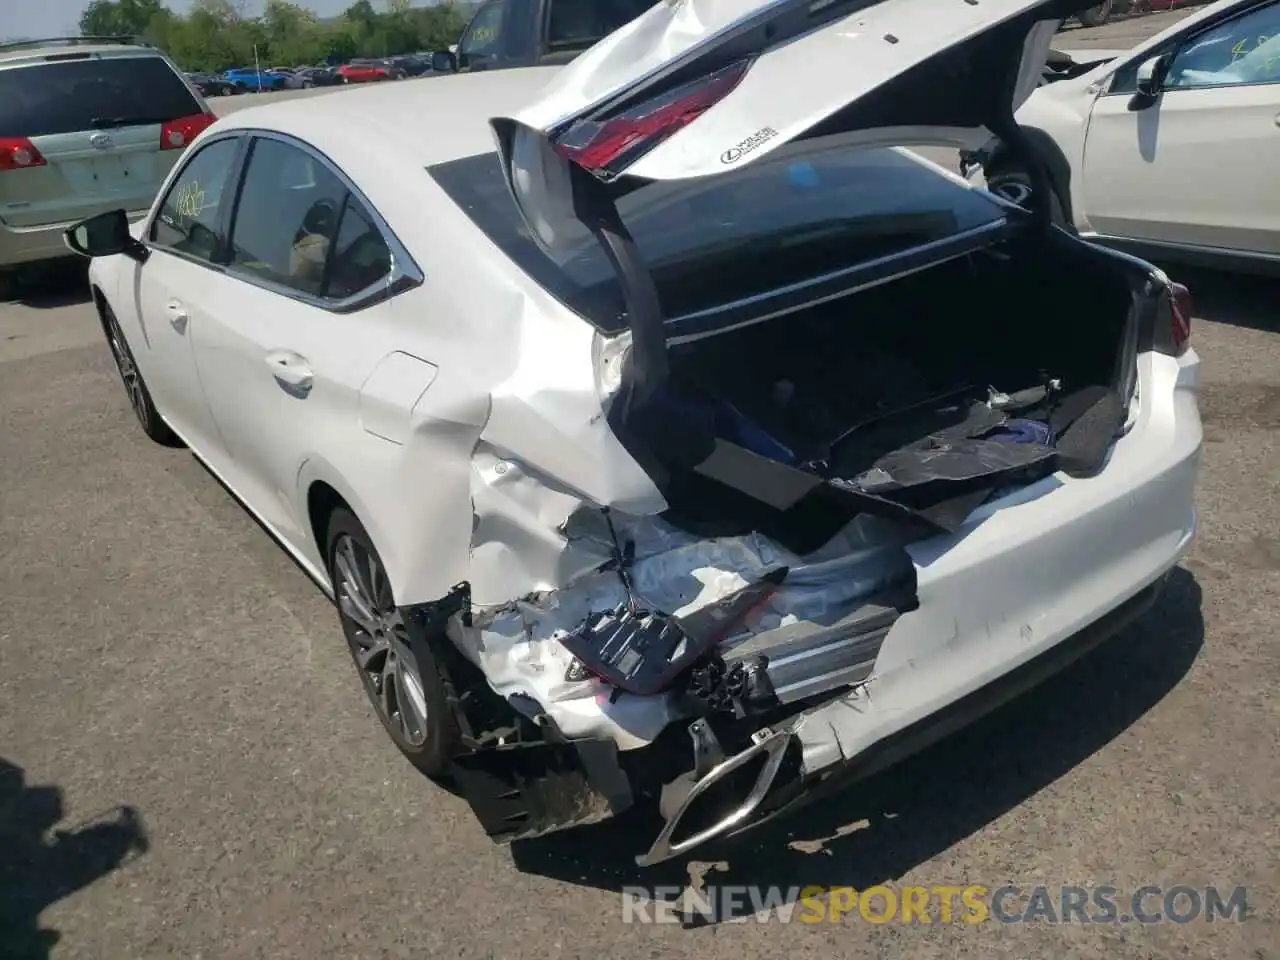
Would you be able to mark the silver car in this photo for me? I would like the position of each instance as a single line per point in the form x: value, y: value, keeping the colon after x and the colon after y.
x: 87, y: 124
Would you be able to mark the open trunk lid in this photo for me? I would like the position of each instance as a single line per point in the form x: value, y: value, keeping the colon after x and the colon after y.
x: 695, y: 88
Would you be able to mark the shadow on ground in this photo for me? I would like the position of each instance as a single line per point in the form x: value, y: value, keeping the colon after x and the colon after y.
x: 47, y: 286
x: 930, y: 802
x: 39, y: 865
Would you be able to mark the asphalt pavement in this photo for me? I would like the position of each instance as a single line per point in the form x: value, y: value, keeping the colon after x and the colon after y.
x: 176, y: 699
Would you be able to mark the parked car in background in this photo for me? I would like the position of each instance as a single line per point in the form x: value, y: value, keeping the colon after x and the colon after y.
x: 413, y: 64
x: 86, y: 124
x: 212, y: 85
x: 739, y: 454
x: 1097, y: 16
x: 521, y: 33
x: 394, y: 66
x: 319, y: 76
x: 363, y: 71
x: 1170, y: 149
x: 292, y: 80
x: 253, y: 80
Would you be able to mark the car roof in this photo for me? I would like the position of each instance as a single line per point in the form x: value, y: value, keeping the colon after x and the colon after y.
x: 430, y: 122
x: 37, y: 51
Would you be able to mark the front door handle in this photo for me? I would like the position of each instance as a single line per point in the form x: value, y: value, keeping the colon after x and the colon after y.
x: 178, y: 315
x: 291, y: 371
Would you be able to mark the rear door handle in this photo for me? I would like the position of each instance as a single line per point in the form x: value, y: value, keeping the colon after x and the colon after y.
x: 290, y: 370
x: 178, y: 315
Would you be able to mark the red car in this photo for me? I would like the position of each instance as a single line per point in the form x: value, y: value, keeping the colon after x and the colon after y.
x: 363, y: 72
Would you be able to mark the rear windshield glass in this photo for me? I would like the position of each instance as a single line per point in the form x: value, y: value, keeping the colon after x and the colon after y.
x: 785, y: 220
x: 68, y: 96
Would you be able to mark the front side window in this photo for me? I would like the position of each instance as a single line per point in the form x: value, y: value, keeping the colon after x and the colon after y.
x: 189, y: 219
x: 287, y: 217
x: 482, y: 38
x: 1244, y: 49
x: 1241, y: 51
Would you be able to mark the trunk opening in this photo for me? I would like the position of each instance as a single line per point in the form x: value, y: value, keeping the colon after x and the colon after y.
x: 916, y: 399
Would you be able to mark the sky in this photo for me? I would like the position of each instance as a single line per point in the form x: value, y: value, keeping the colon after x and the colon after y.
x: 57, y: 18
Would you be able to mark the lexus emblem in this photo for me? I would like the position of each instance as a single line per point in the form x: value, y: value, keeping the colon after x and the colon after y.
x: 100, y: 141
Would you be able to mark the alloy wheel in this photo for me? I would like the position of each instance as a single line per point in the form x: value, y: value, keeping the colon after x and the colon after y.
x: 379, y: 640
x: 128, y: 369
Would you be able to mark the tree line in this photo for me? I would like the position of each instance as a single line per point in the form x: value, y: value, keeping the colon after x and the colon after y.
x: 217, y: 34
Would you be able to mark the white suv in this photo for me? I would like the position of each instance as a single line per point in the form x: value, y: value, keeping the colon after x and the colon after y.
x: 87, y: 124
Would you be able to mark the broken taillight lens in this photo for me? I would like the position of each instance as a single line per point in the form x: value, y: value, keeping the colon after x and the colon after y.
x: 607, y: 146
x: 19, y: 153
x: 1182, y: 312
x: 178, y: 134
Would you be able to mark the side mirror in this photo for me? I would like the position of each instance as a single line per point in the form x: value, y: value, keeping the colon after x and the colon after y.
x: 1151, y: 76
x: 442, y: 61
x: 105, y: 235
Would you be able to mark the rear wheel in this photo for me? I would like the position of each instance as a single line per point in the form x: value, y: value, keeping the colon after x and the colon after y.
x: 8, y: 285
x: 406, y: 687
x: 139, y: 396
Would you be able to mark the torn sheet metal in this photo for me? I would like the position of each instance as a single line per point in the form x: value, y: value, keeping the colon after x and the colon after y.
x: 518, y: 644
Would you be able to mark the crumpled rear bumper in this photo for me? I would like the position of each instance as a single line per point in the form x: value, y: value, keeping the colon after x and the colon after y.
x: 520, y: 792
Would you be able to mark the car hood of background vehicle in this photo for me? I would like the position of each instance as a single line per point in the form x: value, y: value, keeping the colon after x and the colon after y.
x: 892, y: 71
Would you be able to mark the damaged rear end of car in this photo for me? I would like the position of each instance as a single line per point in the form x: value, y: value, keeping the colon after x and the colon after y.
x: 903, y: 438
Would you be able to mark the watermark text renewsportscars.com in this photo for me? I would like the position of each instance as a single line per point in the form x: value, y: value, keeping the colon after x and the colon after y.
x: 939, y: 904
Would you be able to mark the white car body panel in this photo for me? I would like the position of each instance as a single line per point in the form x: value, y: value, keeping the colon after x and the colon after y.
x: 790, y: 87
x: 1198, y: 168
x: 461, y: 422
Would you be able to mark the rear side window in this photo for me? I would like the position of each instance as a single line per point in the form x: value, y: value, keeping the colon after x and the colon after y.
x: 189, y: 219
x: 784, y: 220
x: 67, y: 96
x: 360, y: 254
x: 287, y: 217
x: 298, y: 226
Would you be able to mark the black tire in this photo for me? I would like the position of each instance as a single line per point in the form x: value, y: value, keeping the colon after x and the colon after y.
x: 134, y: 385
x: 436, y: 738
x: 1097, y: 16
x: 1014, y: 184
x: 8, y: 285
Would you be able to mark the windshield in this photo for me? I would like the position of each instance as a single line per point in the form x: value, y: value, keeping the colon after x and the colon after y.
x: 72, y: 95
x: 785, y: 220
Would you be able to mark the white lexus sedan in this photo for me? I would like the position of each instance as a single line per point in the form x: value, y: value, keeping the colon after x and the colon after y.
x: 664, y: 435
x: 1167, y: 150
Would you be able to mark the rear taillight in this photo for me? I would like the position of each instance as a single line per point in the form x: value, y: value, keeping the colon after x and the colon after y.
x: 178, y: 134
x: 1182, y: 312
x: 607, y: 146
x: 19, y: 153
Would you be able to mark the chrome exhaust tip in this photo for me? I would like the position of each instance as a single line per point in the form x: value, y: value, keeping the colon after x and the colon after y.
x: 768, y: 746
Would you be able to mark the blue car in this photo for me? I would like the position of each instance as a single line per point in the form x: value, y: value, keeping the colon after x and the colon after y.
x: 252, y: 80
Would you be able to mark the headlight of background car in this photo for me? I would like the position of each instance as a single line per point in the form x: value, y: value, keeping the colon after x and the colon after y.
x: 608, y: 357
